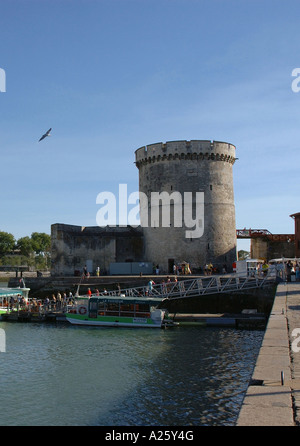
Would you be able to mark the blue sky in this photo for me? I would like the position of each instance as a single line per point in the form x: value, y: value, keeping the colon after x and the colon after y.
x: 110, y: 76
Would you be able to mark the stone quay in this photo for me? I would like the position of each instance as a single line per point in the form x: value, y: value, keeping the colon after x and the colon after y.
x: 273, y: 394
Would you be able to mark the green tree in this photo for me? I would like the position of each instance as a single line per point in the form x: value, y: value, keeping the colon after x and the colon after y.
x: 7, y: 243
x: 24, y: 244
x: 41, y: 242
x: 243, y: 255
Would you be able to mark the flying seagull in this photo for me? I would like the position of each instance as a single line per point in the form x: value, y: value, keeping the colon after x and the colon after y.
x: 46, y: 134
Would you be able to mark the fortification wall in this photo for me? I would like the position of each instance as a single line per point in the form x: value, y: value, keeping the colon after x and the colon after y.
x: 73, y: 247
x: 262, y: 248
x: 194, y: 149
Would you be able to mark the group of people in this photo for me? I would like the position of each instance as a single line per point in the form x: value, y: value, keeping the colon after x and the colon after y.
x: 285, y: 270
x: 181, y: 269
x: 96, y: 292
x: 86, y: 273
x: 59, y: 301
x: 262, y: 269
x: 13, y: 300
x: 292, y: 269
x: 166, y: 284
x: 208, y: 269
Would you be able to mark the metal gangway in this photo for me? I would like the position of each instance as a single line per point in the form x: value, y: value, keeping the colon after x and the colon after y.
x: 178, y: 289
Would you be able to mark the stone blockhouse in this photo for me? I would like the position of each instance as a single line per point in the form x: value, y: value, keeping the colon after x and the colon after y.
x: 73, y: 247
x: 272, y: 246
x: 264, y: 248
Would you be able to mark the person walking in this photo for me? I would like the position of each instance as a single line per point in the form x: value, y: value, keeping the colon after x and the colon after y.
x: 150, y: 286
x: 58, y: 301
x: 288, y: 271
x: 297, y: 271
x: 46, y: 303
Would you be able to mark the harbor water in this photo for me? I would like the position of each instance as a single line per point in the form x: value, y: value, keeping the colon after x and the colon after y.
x: 62, y: 375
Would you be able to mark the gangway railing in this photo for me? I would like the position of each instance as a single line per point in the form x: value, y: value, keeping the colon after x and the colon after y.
x: 194, y: 287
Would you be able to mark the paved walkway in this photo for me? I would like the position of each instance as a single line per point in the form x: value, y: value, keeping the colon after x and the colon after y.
x: 273, y: 396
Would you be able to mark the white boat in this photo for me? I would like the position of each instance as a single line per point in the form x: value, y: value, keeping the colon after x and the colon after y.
x: 118, y: 311
x: 11, y: 296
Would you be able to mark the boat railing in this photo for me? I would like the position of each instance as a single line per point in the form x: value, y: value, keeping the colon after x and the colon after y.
x: 36, y: 306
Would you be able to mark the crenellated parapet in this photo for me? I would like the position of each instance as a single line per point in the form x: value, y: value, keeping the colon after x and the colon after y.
x: 185, y: 150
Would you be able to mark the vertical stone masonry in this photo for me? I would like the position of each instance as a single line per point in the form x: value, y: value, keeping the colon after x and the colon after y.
x: 190, y: 166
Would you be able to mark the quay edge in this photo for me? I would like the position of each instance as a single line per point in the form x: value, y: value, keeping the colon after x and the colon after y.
x: 272, y: 397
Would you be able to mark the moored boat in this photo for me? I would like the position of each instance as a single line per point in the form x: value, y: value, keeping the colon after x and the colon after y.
x: 10, y: 296
x: 118, y: 311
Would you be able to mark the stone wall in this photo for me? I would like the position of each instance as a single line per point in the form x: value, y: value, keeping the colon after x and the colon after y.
x: 262, y: 248
x: 73, y: 247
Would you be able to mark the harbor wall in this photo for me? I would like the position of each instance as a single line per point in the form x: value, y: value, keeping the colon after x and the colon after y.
x: 272, y: 397
x: 260, y: 299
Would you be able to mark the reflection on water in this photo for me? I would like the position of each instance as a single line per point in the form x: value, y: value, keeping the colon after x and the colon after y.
x: 65, y: 375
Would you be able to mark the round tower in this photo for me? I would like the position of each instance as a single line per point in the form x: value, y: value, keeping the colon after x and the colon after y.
x: 187, y: 203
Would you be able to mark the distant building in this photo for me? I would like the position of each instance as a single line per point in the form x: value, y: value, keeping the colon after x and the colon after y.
x: 277, y: 246
x: 74, y: 247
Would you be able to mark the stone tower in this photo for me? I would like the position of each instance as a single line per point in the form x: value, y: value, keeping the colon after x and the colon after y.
x: 200, y: 172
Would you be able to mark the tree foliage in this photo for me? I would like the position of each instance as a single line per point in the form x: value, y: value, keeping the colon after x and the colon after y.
x: 243, y: 255
x: 24, y: 244
x: 7, y: 243
x: 41, y: 242
x: 31, y: 251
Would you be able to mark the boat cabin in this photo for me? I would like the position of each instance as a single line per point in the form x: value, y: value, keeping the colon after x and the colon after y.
x: 16, y: 293
x: 116, y: 306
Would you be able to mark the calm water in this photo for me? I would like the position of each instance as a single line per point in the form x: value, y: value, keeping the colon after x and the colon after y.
x: 65, y: 375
